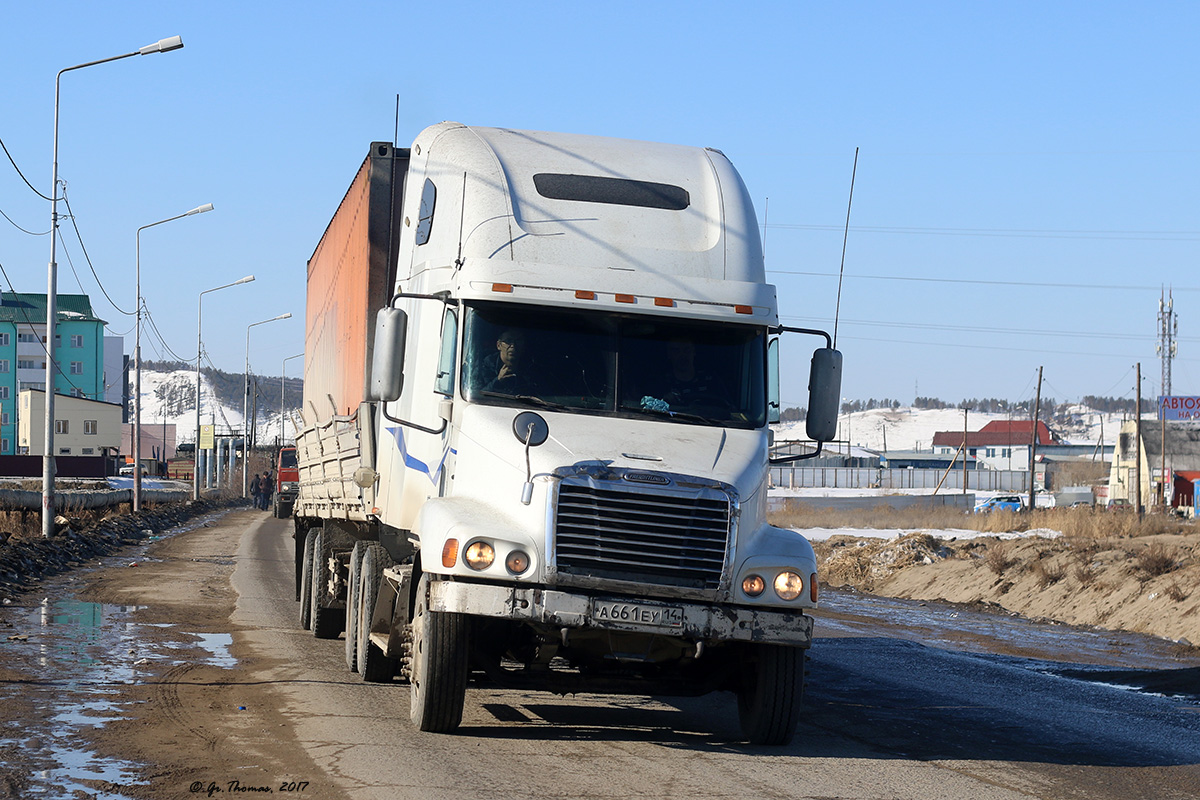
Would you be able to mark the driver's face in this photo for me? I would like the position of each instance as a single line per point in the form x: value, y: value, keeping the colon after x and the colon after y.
x: 511, y: 348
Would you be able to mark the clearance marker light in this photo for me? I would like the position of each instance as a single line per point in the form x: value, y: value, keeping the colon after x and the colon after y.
x: 626, y: 298
x: 664, y: 301
x: 502, y: 287
x: 450, y: 553
x: 584, y: 294
x: 744, y: 309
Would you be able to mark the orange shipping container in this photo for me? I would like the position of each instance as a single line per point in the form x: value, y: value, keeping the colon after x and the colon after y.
x: 350, y: 277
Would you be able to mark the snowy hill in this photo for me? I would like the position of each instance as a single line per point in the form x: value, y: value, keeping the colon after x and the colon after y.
x: 170, y: 397
x: 913, y: 428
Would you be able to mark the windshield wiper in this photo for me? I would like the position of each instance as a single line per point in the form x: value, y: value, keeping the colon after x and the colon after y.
x: 526, y: 398
x: 681, y: 415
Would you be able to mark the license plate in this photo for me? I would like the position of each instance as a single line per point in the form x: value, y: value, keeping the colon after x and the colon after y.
x: 638, y: 613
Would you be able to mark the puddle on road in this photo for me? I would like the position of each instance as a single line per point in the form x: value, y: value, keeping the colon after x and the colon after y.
x: 1144, y: 663
x: 79, y: 654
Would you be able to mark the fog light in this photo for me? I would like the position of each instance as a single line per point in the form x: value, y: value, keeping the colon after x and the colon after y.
x: 812, y: 587
x: 753, y: 585
x: 788, y: 585
x: 517, y: 562
x: 479, y: 555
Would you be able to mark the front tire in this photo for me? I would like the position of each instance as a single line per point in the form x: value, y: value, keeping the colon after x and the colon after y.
x: 438, y: 680
x: 770, y: 694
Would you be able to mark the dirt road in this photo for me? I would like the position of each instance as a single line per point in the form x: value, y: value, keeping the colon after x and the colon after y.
x: 187, y: 675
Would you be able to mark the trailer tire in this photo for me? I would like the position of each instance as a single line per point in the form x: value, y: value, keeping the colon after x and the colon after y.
x: 438, y: 675
x: 352, y: 606
x: 306, y: 580
x: 326, y: 622
x: 770, y: 694
x: 373, y: 665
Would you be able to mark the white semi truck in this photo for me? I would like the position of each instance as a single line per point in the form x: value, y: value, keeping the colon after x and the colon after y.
x: 539, y: 374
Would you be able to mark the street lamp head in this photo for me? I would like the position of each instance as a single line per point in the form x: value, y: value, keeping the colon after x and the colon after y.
x: 284, y: 316
x: 162, y: 46
x: 199, y: 209
x: 246, y: 279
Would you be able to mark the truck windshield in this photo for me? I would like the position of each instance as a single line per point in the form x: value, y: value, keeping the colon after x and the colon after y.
x: 690, y: 372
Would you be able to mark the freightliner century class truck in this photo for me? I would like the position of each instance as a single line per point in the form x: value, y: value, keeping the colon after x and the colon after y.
x: 539, y: 373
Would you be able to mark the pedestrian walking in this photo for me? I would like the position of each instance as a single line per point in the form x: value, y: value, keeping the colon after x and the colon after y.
x: 256, y: 490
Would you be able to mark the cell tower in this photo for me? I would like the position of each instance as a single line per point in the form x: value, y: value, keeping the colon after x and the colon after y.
x: 1168, y: 331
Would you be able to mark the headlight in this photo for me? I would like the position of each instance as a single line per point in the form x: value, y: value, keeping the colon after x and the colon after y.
x: 479, y: 555
x: 517, y: 562
x: 788, y: 585
x: 753, y: 585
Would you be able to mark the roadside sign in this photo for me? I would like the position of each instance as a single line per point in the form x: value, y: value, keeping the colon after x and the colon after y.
x: 1177, y: 407
x: 206, y: 437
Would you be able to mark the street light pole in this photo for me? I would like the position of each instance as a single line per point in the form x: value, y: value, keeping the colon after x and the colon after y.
x: 199, y: 351
x: 161, y: 46
x: 246, y: 407
x: 282, y: 377
x: 137, y: 353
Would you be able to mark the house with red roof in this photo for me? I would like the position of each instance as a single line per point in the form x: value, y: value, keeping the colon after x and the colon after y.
x: 1000, y: 444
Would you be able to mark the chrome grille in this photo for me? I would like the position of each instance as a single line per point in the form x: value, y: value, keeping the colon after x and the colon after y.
x: 669, y: 539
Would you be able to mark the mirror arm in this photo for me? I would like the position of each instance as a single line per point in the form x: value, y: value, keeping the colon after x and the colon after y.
x: 790, y: 459
x: 407, y: 424
x: 810, y: 331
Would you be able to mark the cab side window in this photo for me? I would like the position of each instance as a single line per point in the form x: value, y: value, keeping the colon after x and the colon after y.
x: 444, y: 384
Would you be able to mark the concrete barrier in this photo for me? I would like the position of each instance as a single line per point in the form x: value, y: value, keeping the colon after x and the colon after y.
x: 867, y: 502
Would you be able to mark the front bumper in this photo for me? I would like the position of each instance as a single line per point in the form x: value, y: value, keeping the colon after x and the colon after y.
x: 556, y: 609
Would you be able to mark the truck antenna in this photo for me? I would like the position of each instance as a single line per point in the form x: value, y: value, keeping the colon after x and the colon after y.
x: 462, y: 212
x: 396, y: 132
x: 837, y: 311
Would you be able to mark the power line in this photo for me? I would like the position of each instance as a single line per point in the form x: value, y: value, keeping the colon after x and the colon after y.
x: 158, y: 333
x: 1038, y: 284
x: 1024, y: 233
x: 79, y: 236
x: 976, y: 329
x: 18, y: 169
x: 18, y: 227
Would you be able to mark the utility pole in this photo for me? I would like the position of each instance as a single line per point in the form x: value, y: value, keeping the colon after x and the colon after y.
x: 964, y: 452
x: 1137, y: 482
x: 1037, y: 409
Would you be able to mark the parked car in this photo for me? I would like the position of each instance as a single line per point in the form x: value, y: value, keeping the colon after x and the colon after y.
x: 1001, y: 502
x: 128, y: 470
x: 1120, y: 504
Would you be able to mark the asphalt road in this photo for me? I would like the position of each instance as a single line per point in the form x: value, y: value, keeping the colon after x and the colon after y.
x: 888, y: 716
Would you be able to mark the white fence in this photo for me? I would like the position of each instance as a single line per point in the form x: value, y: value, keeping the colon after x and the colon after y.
x: 984, y: 480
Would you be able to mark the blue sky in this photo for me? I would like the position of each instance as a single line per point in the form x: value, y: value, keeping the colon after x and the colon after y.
x: 1028, y: 175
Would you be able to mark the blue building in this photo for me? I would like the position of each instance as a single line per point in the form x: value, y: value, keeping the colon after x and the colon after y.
x: 79, y: 348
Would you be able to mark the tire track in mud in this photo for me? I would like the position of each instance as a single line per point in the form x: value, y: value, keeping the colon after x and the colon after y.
x: 166, y: 697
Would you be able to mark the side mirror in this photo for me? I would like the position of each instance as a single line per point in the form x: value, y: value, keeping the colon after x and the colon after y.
x: 824, y: 393
x: 387, y: 357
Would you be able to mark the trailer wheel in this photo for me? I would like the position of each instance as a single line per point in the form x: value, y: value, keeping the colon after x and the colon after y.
x: 306, y: 580
x: 438, y: 680
x: 326, y: 622
x: 373, y: 665
x: 352, y: 606
x: 770, y: 694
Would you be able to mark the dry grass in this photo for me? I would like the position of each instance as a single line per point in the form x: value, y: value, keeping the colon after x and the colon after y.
x: 1175, y: 592
x: 1048, y: 574
x: 1155, y: 560
x: 1074, y: 523
x: 997, y: 559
